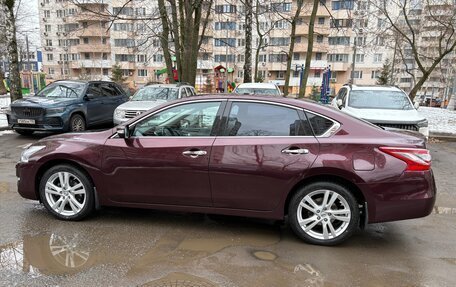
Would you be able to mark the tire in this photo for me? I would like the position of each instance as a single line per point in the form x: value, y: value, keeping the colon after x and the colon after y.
x: 24, y: 132
x: 75, y: 200
x: 306, y: 206
x: 77, y: 123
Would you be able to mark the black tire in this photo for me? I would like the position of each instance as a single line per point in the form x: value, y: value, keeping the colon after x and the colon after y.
x: 76, y: 176
x: 77, y: 123
x: 24, y: 132
x: 343, y: 225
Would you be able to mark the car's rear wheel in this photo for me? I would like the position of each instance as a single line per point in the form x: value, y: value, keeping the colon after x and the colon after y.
x: 77, y: 123
x: 67, y: 192
x: 323, y: 213
x: 24, y: 132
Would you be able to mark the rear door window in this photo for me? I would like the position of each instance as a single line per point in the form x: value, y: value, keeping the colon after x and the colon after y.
x: 258, y: 119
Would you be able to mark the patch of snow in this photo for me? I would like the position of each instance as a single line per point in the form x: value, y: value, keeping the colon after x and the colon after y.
x: 440, y: 120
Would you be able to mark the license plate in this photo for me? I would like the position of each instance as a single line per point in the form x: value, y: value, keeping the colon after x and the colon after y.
x: 26, y: 121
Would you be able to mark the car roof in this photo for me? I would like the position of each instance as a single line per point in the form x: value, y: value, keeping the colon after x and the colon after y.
x: 373, y: 88
x: 258, y: 85
x: 83, y: 81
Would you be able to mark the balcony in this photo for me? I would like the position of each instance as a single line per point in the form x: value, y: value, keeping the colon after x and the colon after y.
x: 92, y: 31
x: 127, y: 65
x: 339, y: 66
x: 87, y: 16
x: 95, y: 63
x: 314, y: 64
x: 318, y: 30
x: 96, y: 48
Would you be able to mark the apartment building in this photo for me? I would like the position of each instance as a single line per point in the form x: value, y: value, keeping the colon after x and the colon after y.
x: 442, y: 81
x: 81, y: 44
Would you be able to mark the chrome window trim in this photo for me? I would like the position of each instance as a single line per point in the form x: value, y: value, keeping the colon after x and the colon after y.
x: 331, y: 130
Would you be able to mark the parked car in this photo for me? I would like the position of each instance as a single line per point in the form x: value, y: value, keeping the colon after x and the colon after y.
x: 151, y: 96
x: 388, y: 107
x: 329, y: 172
x: 66, y: 106
x: 269, y: 89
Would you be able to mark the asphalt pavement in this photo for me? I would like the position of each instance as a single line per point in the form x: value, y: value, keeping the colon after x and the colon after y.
x: 130, y: 247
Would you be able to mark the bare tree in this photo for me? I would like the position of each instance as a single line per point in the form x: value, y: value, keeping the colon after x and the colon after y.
x: 188, y: 23
x: 294, y: 19
x: 248, y: 41
x: 10, y: 8
x: 435, y: 23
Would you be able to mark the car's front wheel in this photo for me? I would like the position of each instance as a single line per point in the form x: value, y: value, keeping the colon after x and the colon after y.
x: 67, y: 192
x: 323, y: 213
x: 77, y: 123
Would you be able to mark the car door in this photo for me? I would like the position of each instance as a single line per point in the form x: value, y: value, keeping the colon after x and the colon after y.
x: 265, y: 149
x: 166, y: 158
x: 94, y: 103
x: 111, y: 100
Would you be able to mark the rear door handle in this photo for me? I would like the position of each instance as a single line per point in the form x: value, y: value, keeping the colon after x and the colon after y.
x: 295, y: 151
x: 194, y: 153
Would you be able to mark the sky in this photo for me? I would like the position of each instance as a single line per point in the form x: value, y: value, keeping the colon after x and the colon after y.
x: 28, y: 23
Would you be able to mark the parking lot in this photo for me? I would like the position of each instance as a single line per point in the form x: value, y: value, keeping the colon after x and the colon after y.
x: 126, y: 247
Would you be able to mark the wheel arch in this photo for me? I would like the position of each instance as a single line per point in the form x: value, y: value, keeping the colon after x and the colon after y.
x: 47, y: 165
x: 351, y: 186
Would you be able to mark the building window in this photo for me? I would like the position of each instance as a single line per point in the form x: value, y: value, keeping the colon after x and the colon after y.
x: 87, y: 56
x: 281, y: 7
x: 341, y: 23
x: 277, y: 58
x: 343, y: 5
x: 124, y: 43
x: 338, y: 58
x: 357, y: 74
x: 225, y: 25
x: 279, y: 41
x: 227, y: 8
x: 318, y: 56
x: 378, y: 58
x: 375, y: 74
x: 379, y: 41
x: 296, y: 56
x: 317, y: 74
x: 142, y: 73
x: 85, y: 40
x: 222, y: 42
x: 321, y: 20
x: 224, y: 58
x: 50, y: 57
x: 142, y: 58
x: 157, y: 58
x: 48, y: 42
x: 280, y: 74
x: 320, y: 38
x: 359, y: 58
x: 240, y: 58
x: 47, y: 28
x: 262, y: 58
x: 360, y: 41
x: 344, y: 41
x: 241, y: 42
x: 51, y: 71
x: 47, y: 14
x: 296, y: 73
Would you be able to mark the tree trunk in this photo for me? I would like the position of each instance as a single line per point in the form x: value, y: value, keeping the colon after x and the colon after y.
x: 291, y: 48
x: 257, y: 58
x: 248, y: 41
x: 14, y: 75
x: 164, y: 40
x: 3, y: 90
x: 310, y: 41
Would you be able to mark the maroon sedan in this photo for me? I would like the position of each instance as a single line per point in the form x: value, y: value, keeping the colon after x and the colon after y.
x: 243, y: 155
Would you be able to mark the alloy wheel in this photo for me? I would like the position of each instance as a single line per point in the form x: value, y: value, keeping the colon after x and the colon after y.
x: 77, y: 125
x: 324, y: 214
x: 65, y: 193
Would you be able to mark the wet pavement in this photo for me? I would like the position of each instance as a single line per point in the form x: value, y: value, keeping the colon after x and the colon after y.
x: 130, y: 247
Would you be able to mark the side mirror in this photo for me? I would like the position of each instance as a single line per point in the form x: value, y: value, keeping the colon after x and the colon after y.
x: 339, y: 103
x: 88, y: 97
x: 123, y: 132
x: 417, y: 105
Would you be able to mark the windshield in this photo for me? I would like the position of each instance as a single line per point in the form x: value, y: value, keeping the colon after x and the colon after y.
x: 156, y: 93
x: 375, y: 99
x: 62, y: 90
x: 257, y: 91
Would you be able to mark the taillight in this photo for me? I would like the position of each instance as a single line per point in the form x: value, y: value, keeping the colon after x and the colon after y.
x: 416, y: 158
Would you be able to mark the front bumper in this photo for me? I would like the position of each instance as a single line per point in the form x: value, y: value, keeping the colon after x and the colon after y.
x: 26, y: 180
x: 43, y: 123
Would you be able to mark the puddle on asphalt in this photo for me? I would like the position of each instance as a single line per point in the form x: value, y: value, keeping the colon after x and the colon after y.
x: 264, y: 255
x: 44, y: 255
x: 4, y: 187
x: 444, y: 210
x: 180, y: 280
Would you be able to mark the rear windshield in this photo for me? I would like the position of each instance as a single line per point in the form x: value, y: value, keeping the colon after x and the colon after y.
x: 257, y: 91
x: 374, y: 99
x: 156, y: 93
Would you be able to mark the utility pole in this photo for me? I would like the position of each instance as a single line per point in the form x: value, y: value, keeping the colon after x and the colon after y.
x: 28, y: 55
x: 353, y: 62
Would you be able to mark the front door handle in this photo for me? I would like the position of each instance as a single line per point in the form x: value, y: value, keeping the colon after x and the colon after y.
x: 194, y: 153
x: 295, y: 151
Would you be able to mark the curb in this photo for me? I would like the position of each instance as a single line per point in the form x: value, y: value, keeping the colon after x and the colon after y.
x: 4, y: 128
x: 443, y: 136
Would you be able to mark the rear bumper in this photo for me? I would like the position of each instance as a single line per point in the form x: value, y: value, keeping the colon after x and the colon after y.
x: 412, y: 196
x: 26, y: 180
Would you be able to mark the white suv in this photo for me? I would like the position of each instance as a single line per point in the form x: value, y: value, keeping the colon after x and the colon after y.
x: 149, y: 97
x: 383, y: 106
